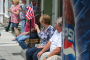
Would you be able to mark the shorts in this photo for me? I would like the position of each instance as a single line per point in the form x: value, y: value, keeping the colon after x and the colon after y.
x: 15, y: 25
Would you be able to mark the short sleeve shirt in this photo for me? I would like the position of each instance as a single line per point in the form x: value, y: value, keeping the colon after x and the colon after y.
x: 22, y: 15
x: 45, y: 37
x: 15, y: 18
x: 27, y: 26
x: 55, y: 40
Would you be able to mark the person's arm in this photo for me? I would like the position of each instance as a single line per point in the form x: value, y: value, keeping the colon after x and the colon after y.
x: 37, y: 28
x: 24, y: 33
x: 24, y: 11
x: 55, y: 52
x: 44, y: 49
x: 12, y: 7
x: 33, y: 30
x: 27, y: 33
x: 16, y: 13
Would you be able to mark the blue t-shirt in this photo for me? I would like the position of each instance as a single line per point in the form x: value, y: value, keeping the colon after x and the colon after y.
x: 22, y: 15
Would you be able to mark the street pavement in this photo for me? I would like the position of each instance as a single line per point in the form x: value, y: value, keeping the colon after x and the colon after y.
x: 9, y: 50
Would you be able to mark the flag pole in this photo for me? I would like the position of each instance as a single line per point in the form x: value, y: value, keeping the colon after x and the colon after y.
x: 29, y: 45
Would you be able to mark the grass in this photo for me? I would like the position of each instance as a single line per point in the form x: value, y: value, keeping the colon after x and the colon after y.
x: 18, y: 30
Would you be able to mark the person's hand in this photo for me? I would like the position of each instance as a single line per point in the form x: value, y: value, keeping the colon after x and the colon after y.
x: 21, y: 34
x: 44, y: 59
x: 39, y: 54
x: 9, y: 10
x: 25, y: 33
x: 40, y: 47
x: 36, y: 26
x: 34, y: 10
x: 20, y: 9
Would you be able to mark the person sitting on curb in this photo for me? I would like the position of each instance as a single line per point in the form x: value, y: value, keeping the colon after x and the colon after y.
x: 45, y: 34
x: 25, y: 35
x: 54, y: 44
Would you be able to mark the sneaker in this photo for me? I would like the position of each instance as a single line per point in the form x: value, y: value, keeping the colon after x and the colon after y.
x: 4, y: 30
x: 10, y: 31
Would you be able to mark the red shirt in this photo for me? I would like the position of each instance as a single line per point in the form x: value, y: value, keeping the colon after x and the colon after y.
x: 27, y: 29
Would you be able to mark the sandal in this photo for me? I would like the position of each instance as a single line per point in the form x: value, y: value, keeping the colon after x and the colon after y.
x: 14, y: 40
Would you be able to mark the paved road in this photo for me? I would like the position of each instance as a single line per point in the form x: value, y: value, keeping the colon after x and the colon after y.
x: 6, y: 39
x: 9, y: 50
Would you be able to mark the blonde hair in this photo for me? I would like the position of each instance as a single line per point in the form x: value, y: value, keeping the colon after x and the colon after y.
x: 16, y: 1
x: 45, y: 18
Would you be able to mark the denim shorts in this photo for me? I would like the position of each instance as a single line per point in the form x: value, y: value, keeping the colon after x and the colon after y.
x: 15, y: 25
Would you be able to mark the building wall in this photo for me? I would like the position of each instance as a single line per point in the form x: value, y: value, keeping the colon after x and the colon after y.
x: 1, y: 11
x: 53, y: 6
x: 48, y: 7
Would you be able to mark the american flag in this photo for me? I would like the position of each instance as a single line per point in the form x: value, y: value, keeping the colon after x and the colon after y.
x: 30, y: 13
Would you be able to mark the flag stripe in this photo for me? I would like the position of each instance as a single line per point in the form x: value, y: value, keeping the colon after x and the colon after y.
x: 29, y: 13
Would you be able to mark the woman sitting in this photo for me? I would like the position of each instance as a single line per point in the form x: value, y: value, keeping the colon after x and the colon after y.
x: 45, y: 35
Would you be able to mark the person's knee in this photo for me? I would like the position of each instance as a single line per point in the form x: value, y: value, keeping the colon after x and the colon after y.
x: 15, y: 28
x: 27, y: 52
x: 54, y: 57
x: 44, y: 55
x: 20, y: 39
x: 35, y: 56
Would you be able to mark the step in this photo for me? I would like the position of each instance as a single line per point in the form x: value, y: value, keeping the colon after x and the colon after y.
x: 23, y: 53
x: 32, y: 43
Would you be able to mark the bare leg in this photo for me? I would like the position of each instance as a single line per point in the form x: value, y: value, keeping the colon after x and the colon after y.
x: 16, y: 31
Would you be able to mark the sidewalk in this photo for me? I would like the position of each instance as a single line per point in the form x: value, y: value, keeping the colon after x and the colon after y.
x: 9, y: 50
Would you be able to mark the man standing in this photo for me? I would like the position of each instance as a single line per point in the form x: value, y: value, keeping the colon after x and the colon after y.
x: 54, y: 44
x: 22, y: 15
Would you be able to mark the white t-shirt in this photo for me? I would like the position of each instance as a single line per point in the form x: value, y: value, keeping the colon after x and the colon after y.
x: 55, y: 40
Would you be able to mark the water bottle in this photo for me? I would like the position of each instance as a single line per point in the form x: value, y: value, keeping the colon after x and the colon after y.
x: 68, y: 43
